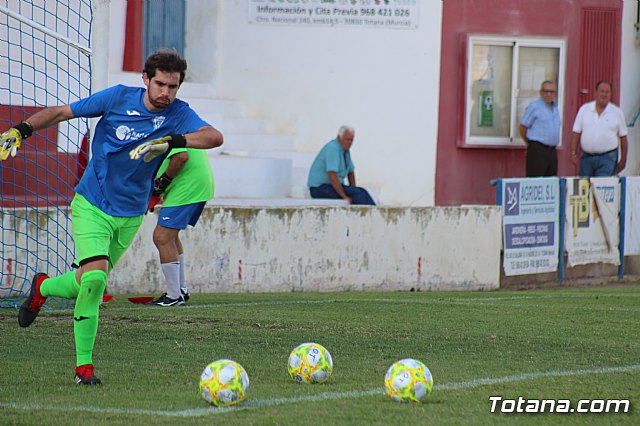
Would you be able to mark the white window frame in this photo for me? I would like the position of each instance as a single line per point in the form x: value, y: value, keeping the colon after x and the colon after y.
x: 513, y: 140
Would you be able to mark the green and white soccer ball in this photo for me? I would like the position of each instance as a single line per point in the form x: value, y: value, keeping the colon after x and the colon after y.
x: 408, y: 380
x: 224, y: 382
x: 310, y: 363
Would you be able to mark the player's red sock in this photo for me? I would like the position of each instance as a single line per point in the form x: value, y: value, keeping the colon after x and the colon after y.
x: 85, y: 371
x: 85, y: 376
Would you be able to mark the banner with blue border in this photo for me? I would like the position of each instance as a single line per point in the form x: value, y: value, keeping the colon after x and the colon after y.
x: 530, y: 225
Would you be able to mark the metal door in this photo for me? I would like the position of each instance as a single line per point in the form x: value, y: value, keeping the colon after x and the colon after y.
x: 164, y: 24
x: 600, y: 34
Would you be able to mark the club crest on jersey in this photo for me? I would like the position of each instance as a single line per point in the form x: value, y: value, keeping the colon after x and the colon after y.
x: 157, y: 122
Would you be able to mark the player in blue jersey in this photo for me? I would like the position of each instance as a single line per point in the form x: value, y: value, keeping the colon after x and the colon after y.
x: 137, y: 128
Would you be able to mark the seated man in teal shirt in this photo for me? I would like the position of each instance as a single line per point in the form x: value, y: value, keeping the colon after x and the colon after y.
x: 331, y: 166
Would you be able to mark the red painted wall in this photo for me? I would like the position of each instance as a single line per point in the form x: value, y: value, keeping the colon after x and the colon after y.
x: 133, y: 59
x: 463, y: 174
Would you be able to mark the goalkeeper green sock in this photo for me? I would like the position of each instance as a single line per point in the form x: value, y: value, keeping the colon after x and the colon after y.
x: 85, y: 314
x: 64, y: 285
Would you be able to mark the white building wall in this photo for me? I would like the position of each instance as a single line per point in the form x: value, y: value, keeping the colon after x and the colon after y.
x: 117, y: 32
x: 310, y: 80
x: 630, y: 83
x: 203, y: 25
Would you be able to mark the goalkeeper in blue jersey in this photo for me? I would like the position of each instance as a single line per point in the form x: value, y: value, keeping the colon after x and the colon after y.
x: 137, y: 129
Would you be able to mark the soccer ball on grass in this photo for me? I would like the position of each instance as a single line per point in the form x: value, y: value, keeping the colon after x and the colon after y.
x: 408, y: 380
x: 224, y: 382
x: 310, y: 363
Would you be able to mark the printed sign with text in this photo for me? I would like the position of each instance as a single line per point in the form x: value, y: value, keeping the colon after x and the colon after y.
x: 397, y: 14
x: 530, y: 225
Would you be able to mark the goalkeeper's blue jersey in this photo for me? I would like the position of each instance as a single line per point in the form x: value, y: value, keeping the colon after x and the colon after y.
x: 112, y: 181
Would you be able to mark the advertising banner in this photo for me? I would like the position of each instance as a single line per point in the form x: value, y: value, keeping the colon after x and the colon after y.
x: 592, y: 229
x: 530, y: 210
x: 632, y: 217
x: 399, y: 14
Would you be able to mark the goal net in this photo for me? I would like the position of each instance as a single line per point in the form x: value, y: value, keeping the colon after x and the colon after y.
x: 44, y: 61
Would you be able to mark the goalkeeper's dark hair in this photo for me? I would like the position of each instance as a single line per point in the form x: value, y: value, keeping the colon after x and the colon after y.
x: 167, y: 60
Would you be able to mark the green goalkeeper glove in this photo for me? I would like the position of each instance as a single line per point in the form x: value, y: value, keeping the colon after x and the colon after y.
x: 156, y: 147
x: 12, y: 138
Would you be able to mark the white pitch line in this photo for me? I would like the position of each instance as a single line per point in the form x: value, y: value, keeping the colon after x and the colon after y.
x: 462, y: 301
x: 575, y: 308
x: 375, y: 300
x: 434, y: 300
x: 535, y: 375
x: 261, y: 403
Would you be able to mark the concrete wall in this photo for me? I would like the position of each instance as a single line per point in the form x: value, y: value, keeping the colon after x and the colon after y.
x: 296, y: 249
x: 326, y: 249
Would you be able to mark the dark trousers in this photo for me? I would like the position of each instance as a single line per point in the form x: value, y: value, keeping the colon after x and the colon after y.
x: 542, y: 160
x: 358, y: 195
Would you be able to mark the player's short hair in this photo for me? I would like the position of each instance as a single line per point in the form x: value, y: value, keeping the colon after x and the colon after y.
x: 604, y: 82
x: 166, y: 60
x: 343, y: 129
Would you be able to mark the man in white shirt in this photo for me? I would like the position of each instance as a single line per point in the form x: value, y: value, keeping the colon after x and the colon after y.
x: 601, y: 131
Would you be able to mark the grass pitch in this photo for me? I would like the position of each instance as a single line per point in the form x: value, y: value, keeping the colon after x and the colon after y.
x: 555, y: 344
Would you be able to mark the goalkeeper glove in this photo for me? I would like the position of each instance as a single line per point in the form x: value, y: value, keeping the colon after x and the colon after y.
x: 160, y: 184
x: 153, y: 148
x: 12, y: 138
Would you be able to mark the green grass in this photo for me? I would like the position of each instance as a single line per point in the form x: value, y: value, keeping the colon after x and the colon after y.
x: 150, y: 358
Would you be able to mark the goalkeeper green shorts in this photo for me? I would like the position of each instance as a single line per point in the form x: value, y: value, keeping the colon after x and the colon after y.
x: 96, y: 233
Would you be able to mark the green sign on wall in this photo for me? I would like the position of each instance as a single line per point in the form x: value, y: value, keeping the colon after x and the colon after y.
x: 485, y: 112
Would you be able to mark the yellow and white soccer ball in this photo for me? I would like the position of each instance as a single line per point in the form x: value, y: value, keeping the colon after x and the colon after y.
x: 310, y: 363
x: 224, y: 382
x: 408, y: 380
